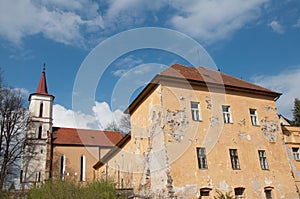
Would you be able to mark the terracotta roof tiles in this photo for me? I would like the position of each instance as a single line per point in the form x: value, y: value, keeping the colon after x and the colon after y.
x: 72, y: 136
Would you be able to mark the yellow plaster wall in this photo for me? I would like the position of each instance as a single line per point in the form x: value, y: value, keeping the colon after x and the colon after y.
x: 73, y: 155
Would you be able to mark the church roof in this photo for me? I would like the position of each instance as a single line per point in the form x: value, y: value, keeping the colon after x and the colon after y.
x: 42, y: 87
x: 85, y: 137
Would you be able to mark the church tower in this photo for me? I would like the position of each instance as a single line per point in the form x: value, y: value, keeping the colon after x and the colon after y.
x: 37, y: 154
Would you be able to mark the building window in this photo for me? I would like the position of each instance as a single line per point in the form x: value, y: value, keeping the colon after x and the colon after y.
x: 263, y: 160
x: 201, y: 154
x: 268, y: 192
x: 39, y: 177
x: 253, y: 116
x: 296, y: 153
x: 234, y: 159
x: 239, y: 193
x: 226, y: 114
x: 82, y: 168
x: 21, y: 176
x: 204, y: 193
x: 41, y: 110
x: 195, y: 108
x: 62, y: 166
x: 40, y: 131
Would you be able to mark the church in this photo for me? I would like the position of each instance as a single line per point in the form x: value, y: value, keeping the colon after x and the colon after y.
x: 194, y: 132
x: 58, y: 152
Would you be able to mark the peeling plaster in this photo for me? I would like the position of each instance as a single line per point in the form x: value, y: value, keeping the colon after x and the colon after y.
x: 224, y: 186
x: 242, y: 122
x: 214, y: 121
x: 255, y: 185
x: 177, y: 121
x: 269, y: 108
x: 208, y: 102
x: 269, y: 129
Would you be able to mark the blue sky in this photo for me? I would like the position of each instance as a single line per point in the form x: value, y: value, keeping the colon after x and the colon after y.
x: 256, y: 40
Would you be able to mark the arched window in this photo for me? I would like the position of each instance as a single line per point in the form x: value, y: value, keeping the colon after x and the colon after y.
x: 62, y: 166
x: 40, y: 132
x: 41, y: 110
x: 82, y: 168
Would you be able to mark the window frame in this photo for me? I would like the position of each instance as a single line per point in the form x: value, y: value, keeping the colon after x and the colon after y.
x: 263, y: 160
x: 254, y: 117
x: 41, y: 110
x: 296, y: 154
x: 202, y: 158
x: 195, y: 111
x: 234, y: 158
x: 226, y: 114
x: 62, y: 166
x: 82, y: 168
x: 239, y: 192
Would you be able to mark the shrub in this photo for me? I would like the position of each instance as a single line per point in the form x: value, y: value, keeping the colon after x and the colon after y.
x: 58, y: 189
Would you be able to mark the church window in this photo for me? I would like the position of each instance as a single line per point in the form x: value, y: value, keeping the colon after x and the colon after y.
x: 82, y: 168
x: 41, y: 110
x: 40, y: 132
x: 62, y: 166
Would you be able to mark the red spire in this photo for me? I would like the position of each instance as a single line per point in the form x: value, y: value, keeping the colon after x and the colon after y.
x: 42, y: 88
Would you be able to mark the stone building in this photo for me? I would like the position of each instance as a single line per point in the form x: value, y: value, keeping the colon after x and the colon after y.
x: 57, y: 152
x: 195, y: 131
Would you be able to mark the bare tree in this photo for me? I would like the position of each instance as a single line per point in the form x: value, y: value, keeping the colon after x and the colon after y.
x: 13, y: 123
x: 123, y: 125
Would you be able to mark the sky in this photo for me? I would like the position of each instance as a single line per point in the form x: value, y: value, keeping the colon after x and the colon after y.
x: 100, y: 54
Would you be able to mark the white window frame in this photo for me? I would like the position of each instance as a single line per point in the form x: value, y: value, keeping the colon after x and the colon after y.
x: 296, y: 153
x: 196, y: 116
x: 263, y: 159
x: 202, y: 159
x: 226, y: 114
x: 82, y: 168
x: 253, y: 117
x: 234, y: 158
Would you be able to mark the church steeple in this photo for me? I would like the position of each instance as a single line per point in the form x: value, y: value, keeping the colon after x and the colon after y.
x: 42, y: 88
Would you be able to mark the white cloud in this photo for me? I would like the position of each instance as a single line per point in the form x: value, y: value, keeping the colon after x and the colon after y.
x: 276, y: 27
x: 287, y: 82
x: 214, y: 20
x: 125, y: 64
x: 101, y: 117
x: 21, y: 18
x: 73, y: 21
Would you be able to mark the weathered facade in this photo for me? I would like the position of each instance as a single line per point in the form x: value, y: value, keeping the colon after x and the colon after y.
x: 292, y: 141
x: 195, y: 131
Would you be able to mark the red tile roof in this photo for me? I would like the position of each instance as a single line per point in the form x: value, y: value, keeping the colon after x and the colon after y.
x: 206, y: 75
x: 85, y: 137
x: 200, y: 75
